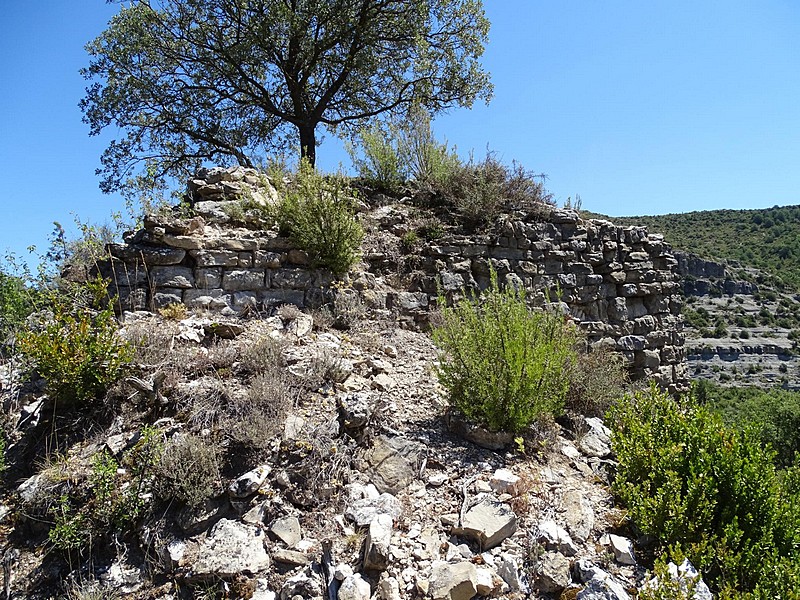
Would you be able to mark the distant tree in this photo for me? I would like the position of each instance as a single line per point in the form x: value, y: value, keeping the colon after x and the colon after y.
x: 229, y: 81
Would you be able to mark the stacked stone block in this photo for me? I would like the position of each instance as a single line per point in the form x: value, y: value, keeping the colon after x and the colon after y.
x: 619, y: 283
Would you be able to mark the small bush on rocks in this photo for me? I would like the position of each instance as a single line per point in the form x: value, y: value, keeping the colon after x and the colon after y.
x: 78, y: 351
x: 381, y: 164
x: 17, y: 301
x: 503, y: 364
x: 317, y: 212
x: 480, y: 191
x: 188, y: 470
x: 596, y: 380
x: 709, y: 490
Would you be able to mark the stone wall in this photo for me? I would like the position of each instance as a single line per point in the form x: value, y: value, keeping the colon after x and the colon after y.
x: 619, y: 283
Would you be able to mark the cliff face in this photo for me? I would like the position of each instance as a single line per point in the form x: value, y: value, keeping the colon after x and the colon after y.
x: 619, y: 283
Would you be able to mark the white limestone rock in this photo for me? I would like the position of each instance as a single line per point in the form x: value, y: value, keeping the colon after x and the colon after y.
x: 377, y: 544
x: 231, y: 548
x: 488, y: 522
x: 287, y: 529
x: 457, y: 581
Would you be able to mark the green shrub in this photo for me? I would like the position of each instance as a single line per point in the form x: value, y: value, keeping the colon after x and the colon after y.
x: 431, y: 163
x: 691, y: 482
x: 105, y: 500
x: 77, y: 351
x: 382, y: 164
x: 317, y: 212
x: 773, y: 414
x: 504, y: 365
x: 480, y: 191
x: 17, y: 302
x: 596, y: 380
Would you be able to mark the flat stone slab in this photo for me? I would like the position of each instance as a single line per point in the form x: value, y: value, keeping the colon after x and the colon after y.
x: 488, y: 522
x: 231, y: 548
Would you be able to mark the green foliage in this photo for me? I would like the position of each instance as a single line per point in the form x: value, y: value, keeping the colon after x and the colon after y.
x: 382, y: 162
x: 596, y: 380
x: 774, y: 414
x: 70, y: 530
x: 692, y: 482
x: 504, y: 365
x: 317, y: 212
x: 228, y: 81
x: 77, y: 351
x: 110, y: 500
x: 431, y: 163
x: 766, y: 238
x: 17, y: 302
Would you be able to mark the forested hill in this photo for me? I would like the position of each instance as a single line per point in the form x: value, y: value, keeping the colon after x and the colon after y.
x: 768, y: 239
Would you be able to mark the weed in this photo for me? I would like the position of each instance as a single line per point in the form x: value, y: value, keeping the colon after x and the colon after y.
x: 188, y: 470
x: 317, y: 212
x: 173, y: 312
x: 78, y: 352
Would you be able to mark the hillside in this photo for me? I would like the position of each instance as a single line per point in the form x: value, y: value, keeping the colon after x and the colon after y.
x: 767, y: 239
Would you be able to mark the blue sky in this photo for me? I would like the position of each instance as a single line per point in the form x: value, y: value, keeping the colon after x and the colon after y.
x: 637, y: 107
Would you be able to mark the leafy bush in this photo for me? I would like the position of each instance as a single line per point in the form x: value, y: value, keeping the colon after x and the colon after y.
x: 105, y: 500
x: 77, y: 351
x: 596, y: 380
x: 481, y: 190
x: 431, y: 163
x: 773, y: 414
x: 382, y: 163
x: 17, y: 301
x: 707, y: 490
x: 504, y: 365
x: 317, y: 212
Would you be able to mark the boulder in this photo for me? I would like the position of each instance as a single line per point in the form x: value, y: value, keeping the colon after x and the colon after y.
x: 249, y: 483
x: 354, y: 588
x: 287, y: 529
x: 305, y: 584
x: 230, y: 549
x: 555, y: 538
x: 457, y: 581
x: 392, y: 463
x: 363, y: 511
x: 578, y: 516
x: 376, y: 547
x: 622, y: 548
x: 488, y: 522
x: 552, y: 572
x: 505, y: 482
x: 597, y: 440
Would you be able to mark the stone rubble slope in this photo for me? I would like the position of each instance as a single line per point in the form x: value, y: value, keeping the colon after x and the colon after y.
x: 418, y: 512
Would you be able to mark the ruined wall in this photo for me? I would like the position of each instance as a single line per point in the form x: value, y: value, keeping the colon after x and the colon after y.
x: 619, y: 283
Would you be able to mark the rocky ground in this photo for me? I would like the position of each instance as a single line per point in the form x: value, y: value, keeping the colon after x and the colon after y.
x: 337, y: 477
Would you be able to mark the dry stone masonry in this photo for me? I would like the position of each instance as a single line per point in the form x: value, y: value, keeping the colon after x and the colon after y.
x: 619, y: 283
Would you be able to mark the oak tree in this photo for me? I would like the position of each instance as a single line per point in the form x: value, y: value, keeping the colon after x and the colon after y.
x: 230, y: 81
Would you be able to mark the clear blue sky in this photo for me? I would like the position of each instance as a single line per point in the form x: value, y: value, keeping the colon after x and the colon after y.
x: 639, y: 107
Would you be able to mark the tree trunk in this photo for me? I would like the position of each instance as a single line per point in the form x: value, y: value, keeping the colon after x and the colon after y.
x: 308, y: 143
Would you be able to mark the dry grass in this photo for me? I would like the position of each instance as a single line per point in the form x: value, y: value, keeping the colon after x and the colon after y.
x: 188, y: 470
